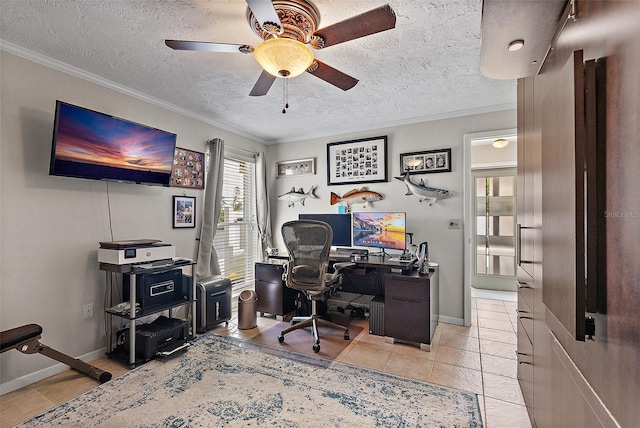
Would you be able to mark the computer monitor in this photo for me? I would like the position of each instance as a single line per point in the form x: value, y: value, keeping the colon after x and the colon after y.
x: 385, y: 230
x: 340, y: 223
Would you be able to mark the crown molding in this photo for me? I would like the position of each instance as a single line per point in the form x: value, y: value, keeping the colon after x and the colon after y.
x: 82, y: 74
x: 411, y: 121
x: 90, y: 77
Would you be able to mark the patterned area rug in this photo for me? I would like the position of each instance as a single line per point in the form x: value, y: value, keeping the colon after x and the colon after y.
x: 223, y: 381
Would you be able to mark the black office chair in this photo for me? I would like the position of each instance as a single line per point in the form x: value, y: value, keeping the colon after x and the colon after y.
x: 308, y: 243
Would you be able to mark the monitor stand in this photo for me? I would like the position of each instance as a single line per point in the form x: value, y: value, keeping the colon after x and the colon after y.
x: 383, y: 253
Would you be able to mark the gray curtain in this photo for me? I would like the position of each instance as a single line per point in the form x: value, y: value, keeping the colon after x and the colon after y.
x: 208, y: 264
x: 263, y: 212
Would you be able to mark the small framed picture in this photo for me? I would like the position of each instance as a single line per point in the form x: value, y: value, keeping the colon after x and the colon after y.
x: 296, y: 167
x: 184, y: 212
x: 426, y: 162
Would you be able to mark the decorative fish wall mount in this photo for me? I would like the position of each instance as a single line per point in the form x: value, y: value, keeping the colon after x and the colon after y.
x: 353, y: 196
x: 423, y: 192
x: 293, y: 195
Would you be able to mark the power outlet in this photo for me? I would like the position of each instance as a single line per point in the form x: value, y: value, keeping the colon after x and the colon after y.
x: 454, y: 223
x: 87, y: 311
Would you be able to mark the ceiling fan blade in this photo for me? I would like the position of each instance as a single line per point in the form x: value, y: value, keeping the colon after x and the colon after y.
x: 263, y: 85
x: 186, y: 45
x: 374, y: 21
x: 264, y: 12
x: 333, y: 76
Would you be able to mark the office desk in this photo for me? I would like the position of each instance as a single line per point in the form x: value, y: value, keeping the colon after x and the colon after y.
x: 406, y: 302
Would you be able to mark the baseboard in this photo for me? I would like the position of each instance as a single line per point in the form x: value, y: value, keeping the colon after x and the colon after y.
x: 450, y: 320
x: 54, y: 369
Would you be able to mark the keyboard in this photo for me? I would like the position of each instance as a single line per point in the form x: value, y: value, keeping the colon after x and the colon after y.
x: 336, y: 255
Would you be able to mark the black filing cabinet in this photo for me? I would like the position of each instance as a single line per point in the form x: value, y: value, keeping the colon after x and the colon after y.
x: 411, y: 306
x: 274, y: 297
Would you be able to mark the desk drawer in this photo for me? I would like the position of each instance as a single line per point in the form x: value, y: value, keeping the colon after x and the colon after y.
x: 269, y: 272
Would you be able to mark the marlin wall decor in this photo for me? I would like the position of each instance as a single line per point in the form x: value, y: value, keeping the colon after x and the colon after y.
x: 422, y: 191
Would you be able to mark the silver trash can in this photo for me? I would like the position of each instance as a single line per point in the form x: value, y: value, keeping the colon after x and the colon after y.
x: 247, y: 310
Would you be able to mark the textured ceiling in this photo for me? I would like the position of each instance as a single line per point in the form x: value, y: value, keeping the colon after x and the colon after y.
x: 428, y: 67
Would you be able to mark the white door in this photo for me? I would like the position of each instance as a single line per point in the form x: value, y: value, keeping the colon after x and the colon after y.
x: 493, y: 263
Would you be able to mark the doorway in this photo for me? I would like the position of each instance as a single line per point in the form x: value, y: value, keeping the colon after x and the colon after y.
x: 479, y: 154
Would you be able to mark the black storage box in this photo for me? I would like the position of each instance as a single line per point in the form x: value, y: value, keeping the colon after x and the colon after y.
x: 163, y: 334
x: 159, y: 290
x: 213, y: 297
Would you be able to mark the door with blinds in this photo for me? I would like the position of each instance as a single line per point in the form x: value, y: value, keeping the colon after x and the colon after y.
x: 236, y: 239
x: 494, y: 263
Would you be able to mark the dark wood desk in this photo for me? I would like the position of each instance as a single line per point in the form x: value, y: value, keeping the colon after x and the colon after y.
x: 407, y: 301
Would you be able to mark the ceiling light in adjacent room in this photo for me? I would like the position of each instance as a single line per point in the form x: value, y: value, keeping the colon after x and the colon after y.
x: 283, y: 57
x: 515, y: 45
x: 500, y: 143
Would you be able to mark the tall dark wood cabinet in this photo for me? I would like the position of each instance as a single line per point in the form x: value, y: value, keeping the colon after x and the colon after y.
x: 528, y: 239
x: 578, y: 216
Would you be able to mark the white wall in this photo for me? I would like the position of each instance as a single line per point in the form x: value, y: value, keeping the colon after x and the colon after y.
x: 427, y: 223
x: 51, y: 226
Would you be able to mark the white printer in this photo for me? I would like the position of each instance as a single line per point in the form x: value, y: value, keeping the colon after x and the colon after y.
x: 134, y: 251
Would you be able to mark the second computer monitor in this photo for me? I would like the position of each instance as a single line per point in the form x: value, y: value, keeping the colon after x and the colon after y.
x: 384, y: 230
x: 340, y: 223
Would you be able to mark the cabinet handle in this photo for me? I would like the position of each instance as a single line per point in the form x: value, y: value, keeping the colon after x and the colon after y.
x: 518, y: 355
x: 521, y: 316
x: 519, y: 228
x: 524, y: 285
x: 407, y: 300
x: 518, y: 243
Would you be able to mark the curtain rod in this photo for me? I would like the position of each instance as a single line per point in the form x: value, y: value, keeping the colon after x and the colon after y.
x: 243, y: 150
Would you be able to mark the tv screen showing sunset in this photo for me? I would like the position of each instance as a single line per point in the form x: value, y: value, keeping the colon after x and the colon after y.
x: 89, y: 144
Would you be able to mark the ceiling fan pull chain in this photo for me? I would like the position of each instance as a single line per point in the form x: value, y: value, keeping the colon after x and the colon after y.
x: 285, y: 96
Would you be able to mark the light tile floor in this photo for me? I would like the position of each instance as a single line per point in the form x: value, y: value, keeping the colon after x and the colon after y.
x: 479, y: 359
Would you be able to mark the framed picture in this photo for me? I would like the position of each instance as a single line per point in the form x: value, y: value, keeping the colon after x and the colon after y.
x: 188, y: 169
x: 426, y: 162
x: 184, y: 211
x: 357, y: 161
x: 296, y: 167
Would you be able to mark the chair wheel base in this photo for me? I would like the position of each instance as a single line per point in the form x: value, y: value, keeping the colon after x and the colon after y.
x: 281, y: 338
x: 316, y: 348
x: 346, y: 337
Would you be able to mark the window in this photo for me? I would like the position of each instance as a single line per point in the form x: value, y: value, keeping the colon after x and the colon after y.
x: 236, y: 240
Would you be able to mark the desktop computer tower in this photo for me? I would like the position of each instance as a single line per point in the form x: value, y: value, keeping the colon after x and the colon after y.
x: 213, y: 302
x: 376, y: 316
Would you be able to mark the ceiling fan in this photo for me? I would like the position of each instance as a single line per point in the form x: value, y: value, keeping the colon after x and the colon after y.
x: 288, y: 29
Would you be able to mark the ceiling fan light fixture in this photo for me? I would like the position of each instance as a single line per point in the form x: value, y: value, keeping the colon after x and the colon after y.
x: 282, y: 57
x: 500, y: 143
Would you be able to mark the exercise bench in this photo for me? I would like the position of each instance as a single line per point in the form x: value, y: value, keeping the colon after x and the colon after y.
x: 25, y: 340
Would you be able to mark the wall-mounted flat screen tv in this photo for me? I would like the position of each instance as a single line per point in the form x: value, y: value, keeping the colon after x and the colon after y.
x: 89, y: 144
x: 340, y: 224
x: 384, y: 230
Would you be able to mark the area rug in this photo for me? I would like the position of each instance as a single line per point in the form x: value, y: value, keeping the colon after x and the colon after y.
x: 227, y: 382
x: 332, y: 341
